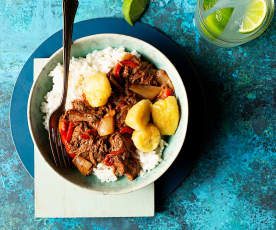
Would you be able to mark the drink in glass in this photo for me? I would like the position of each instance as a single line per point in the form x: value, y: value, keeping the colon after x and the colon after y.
x: 229, y: 23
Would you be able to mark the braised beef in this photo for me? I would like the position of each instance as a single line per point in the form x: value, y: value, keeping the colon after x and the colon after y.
x: 119, y: 166
x: 85, y: 149
x: 127, y: 165
x: 76, y: 116
x: 100, y: 148
x: 124, y: 163
x: 132, y: 168
x: 78, y: 130
x: 121, y: 141
x: 116, y: 142
x: 82, y: 111
x: 132, y: 98
x: 121, y: 116
x: 163, y: 79
x: 81, y: 106
x: 129, y: 145
x: 89, y: 147
x: 144, y: 74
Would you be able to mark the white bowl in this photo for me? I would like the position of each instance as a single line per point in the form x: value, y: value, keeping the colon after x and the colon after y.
x: 80, y: 48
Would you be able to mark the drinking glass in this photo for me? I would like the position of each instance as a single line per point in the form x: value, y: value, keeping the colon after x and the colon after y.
x: 229, y: 23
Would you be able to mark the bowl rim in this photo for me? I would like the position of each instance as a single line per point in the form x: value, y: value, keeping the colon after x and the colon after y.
x: 183, y: 98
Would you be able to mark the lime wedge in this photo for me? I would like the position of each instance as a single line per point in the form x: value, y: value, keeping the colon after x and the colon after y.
x: 133, y: 9
x: 208, y: 4
x: 254, y: 16
x: 217, y: 21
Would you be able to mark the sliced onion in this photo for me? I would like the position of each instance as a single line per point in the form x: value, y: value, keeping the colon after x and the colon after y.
x: 83, y: 165
x: 106, y: 125
x: 163, y: 78
x: 146, y: 91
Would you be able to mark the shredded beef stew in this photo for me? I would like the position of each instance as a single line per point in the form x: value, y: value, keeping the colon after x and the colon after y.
x: 93, y: 135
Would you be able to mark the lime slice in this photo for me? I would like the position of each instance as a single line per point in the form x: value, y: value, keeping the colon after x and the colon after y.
x: 205, y: 31
x: 217, y: 21
x: 254, y: 16
x: 208, y: 4
x: 133, y: 9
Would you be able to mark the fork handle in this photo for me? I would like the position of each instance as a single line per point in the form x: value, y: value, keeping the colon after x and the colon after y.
x: 69, y: 11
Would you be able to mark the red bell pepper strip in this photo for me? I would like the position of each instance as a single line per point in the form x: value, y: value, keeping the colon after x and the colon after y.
x: 89, y: 132
x: 63, y: 126
x: 63, y: 139
x: 108, y: 161
x: 72, y: 155
x: 126, y: 130
x: 70, y: 131
x: 117, y: 152
x: 116, y: 70
x: 166, y: 92
x: 68, y: 150
x: 121, y: 104
x: 129, y: 63
x: 84, y: 136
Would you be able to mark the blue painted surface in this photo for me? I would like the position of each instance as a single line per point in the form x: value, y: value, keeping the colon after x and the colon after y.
x: 233, y: 184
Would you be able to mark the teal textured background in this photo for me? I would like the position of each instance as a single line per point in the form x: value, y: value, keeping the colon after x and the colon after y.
x: 233, y: 183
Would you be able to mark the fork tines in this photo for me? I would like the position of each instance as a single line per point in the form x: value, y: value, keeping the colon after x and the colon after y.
x: 59, y: 154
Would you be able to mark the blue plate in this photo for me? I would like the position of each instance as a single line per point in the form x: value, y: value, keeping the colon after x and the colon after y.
x: 183, y: 164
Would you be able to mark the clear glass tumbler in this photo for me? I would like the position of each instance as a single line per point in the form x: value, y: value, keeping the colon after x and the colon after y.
x: 229, y: 23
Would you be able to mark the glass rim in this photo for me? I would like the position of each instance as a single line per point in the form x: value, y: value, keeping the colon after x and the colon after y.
x: 266, y: 22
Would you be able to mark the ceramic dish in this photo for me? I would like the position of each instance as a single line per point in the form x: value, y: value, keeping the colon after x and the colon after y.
x: 80, y: 48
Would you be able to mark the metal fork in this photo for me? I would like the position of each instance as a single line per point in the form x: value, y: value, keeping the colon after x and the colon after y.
x: 60, y: 157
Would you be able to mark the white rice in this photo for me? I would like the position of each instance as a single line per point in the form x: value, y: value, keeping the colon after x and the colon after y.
x: 150, y: 160
x: 104, y: 173
x: 97, y: 61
